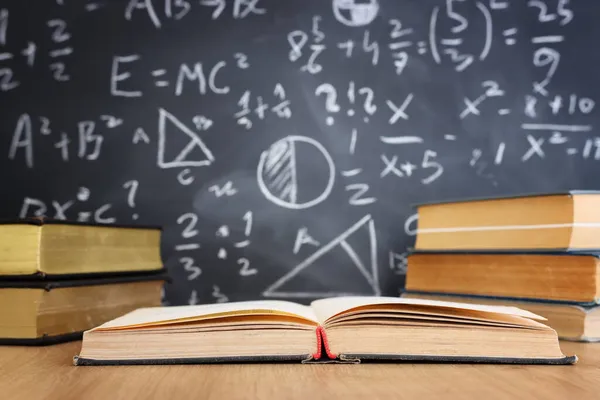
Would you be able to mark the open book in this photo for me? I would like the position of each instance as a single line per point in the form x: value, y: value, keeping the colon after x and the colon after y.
x: 343, y: 329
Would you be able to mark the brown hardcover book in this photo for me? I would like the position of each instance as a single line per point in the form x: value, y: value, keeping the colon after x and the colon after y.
x: 569, y: 221
x: 349, y: 329
x: 571, y: 322
x: 39, y: 247
x: 563, y: 277
x: 46, y: 312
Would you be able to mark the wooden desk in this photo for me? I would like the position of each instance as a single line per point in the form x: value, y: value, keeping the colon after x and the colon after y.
x: 47, y: 372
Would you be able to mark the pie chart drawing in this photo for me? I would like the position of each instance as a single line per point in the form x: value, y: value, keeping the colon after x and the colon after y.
x: 296, y: 172
x: 355, y: 12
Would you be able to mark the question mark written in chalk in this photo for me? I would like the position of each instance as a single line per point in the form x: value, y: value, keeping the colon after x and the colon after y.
x: 331, y: 104
x: 132, y: 186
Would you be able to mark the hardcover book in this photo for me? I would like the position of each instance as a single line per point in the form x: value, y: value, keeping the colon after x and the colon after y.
x: 343, y: 329
x: 45, y: 312
x: 40, y: 247
x: 573, y: 278
x: 558, y: 221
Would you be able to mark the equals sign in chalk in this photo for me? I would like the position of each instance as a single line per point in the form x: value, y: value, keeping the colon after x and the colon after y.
x: 157, y: 73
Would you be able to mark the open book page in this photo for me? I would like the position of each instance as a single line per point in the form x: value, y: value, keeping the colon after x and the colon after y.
x: 325, y: 309
x: 155, y: 316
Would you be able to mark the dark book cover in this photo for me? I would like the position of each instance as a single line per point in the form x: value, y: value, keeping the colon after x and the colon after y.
x: 106, y: 279
x: 87, y: 276
x: 39, y: 221
x: 42, y: 341
x: 567, y: 360
x: 343, y: 358
x: 196, y: 360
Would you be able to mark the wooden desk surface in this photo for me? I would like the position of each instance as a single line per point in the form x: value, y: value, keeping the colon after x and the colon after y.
x: 47, y: 372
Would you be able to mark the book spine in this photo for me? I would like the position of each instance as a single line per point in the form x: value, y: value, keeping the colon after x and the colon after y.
x: 319, y: 352
x: 328, y: 351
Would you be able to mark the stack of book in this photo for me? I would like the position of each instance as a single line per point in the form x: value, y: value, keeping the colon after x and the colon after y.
x: 537, y: 252
x: 58, y: 279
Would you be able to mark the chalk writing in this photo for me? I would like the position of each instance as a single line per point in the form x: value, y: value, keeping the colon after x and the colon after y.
x: 280, y: 107
x: 365, y: 99
x: 132, y: 188
x: 225, y: 190
x: 190, y: 267
x: 298, y: 39
x: 251, y: 130
x: 66, y: 209
x: 245, y: 269
x: 355, y: 13
x: 303, y: 238
x: 369, y: 272
x: 178, y: 9
x: 198, y: 77
x: 218, y: 296
x: 398, y: 262
x: 183, y: 159
x: 278, y: 169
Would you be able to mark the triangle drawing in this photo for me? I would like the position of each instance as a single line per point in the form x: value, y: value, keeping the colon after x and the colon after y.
x: 369, y: 272
x: 182, y: 159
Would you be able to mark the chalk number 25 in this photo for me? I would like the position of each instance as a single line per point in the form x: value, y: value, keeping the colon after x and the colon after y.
x: 562, y: 11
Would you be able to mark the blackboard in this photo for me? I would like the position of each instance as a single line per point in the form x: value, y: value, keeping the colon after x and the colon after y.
x: 282, y: 144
